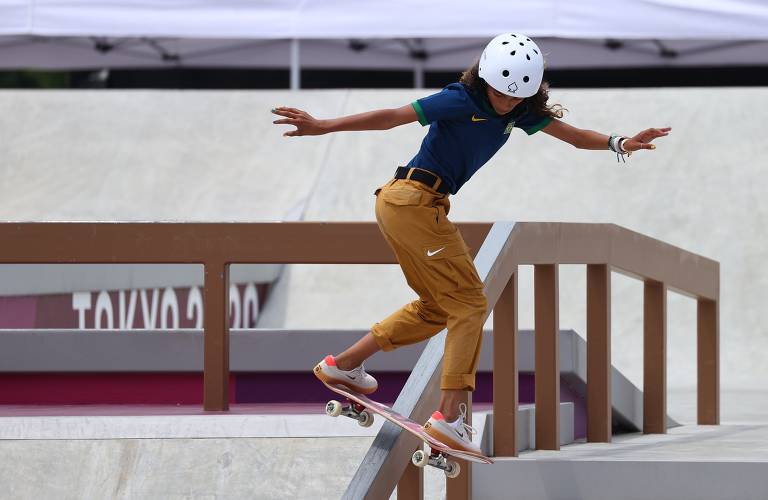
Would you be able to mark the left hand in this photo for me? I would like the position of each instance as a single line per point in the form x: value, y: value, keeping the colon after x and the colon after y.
x: 644, y: 138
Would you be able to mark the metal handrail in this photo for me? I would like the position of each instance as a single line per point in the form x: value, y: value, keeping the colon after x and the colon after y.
x: 390, y: 452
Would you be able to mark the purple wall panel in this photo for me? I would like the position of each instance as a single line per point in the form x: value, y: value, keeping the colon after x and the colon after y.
x: 305, y: 388
x: 17, y: 312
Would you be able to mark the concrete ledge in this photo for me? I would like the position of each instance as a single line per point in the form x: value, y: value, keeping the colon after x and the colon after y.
x: 628, y: 480
x: 202, y: 426
x: 183, y: 427
x: 526, y: 428
x: 260, y: 350
x: 687, y: 463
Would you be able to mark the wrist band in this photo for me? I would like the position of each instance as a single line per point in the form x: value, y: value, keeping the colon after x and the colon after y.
x: 610, y: 142
x: 616, y: 144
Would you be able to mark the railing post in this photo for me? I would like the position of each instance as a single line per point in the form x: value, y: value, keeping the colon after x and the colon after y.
x: 547, y: 357
x: 599, y: 405
x: 654, y: 358
x: 216, y: 336
x: 411, y: 485
x: 460, y: 487
x: 505, y: 375
x: 708, y: 362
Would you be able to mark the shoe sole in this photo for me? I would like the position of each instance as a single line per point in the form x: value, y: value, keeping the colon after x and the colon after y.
x: 444, y: 438
x: 334, y: 381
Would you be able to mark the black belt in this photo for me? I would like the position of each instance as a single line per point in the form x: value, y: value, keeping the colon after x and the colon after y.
x: 423, y: 176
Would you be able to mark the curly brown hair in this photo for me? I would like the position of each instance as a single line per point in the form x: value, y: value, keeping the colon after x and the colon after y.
x: 537, y: 103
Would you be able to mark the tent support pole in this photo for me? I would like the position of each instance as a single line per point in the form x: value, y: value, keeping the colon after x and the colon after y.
x: 295, y: 65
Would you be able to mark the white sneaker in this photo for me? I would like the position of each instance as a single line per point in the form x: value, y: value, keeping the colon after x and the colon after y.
x: 457, y: 434
x: 355, y: 379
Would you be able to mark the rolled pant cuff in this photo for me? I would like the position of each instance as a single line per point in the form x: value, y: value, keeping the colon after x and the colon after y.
x: 464, y: 382
x: 381, y: 338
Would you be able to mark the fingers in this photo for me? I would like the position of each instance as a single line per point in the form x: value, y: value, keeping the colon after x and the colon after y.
x: 659, y: 132
x: 286, y: 108
x: 650, y: 134
x: 295, y: 117
x: 289, y: 114
x: 282, y: 110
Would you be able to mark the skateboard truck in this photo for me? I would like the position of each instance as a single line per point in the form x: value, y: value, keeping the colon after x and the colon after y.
x: 436, y: 459
x: 350, y: 409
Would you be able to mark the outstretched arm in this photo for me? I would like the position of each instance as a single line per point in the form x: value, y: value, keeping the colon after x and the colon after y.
x: 380, y: 119
x: 589, y: 139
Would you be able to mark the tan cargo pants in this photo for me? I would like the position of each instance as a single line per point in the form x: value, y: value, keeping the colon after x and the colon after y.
x: 438, y: 267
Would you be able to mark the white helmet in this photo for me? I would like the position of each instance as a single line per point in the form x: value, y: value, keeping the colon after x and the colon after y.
x: 512, y: 64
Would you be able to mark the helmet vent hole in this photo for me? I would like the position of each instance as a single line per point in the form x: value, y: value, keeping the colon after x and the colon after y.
x: 527, y: 57
x: 525, y: 79
x: 514, y: 35
x: 504, y: 43
x: 522, y: 44
x: 512, y: 53
x: 505, y: 73
x: 536, y: 51
x: 528, y: 39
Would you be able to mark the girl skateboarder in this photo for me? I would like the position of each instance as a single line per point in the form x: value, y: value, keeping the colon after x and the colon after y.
x: 469, y: 122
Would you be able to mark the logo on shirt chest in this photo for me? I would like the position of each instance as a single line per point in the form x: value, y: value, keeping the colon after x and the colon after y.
x: 507, y: 130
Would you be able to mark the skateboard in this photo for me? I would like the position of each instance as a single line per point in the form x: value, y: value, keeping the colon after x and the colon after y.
x: 359, y: 407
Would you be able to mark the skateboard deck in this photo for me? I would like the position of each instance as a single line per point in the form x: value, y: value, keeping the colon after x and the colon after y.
x: 404, y: 423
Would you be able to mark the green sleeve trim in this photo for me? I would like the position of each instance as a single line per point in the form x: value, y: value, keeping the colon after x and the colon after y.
x: 543, y: 123
x: 420, y: 112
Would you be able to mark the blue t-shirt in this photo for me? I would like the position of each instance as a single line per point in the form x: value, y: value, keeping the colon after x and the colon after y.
x: 465, y: 132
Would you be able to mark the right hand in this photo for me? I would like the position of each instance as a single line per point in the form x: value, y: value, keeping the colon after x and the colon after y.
x: 304, y: 122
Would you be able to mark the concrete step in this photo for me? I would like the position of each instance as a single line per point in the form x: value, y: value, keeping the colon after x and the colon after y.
x: 243, y: 421
x: 526, y: 427
x: 689, y: 462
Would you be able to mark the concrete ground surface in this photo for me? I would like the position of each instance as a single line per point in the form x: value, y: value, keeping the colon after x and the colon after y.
x: 292, y: 452
x: 263, y: 468
x: 110, y: 452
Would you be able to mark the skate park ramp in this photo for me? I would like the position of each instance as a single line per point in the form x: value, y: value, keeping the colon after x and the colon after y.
x: 153, y: 155
x: 147, y: 156
x: 173, y: 155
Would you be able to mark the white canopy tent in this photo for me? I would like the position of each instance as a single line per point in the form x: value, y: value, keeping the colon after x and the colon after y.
x: 419, y: 35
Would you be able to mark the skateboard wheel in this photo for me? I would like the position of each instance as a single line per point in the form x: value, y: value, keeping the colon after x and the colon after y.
x: 333, y: 408
x: 419, y: 458
x: 365, y: 419
x: 452, y: 470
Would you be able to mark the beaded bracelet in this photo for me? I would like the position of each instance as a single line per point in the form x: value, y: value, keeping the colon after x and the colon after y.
x: 616, y: 144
